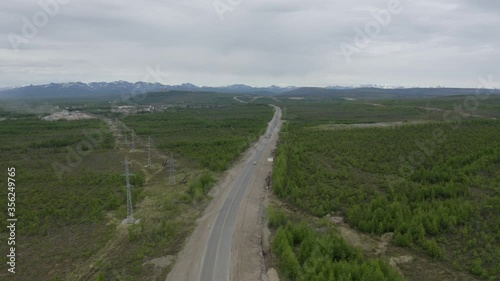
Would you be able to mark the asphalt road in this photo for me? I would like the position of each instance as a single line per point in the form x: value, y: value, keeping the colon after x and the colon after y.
x: 216, y: 262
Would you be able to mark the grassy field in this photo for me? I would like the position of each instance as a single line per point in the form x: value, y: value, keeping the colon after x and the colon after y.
x: 58, y: 218
x: 433, y: 183
x: 211, y: 137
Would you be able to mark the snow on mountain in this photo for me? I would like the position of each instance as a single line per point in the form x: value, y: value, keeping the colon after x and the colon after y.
x: 124, y: 87
x: 380, y: 86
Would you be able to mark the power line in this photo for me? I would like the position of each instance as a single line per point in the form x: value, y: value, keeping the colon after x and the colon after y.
x: 158, y: 154
x: 149, y: 151
x: 171, y: 164
x: 170, y: 161
x: 133, y: 140
x: 130, y: 210
x: 125, y: 134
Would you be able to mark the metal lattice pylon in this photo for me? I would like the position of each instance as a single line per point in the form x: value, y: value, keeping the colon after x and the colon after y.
x: 171, y: 164
x: 149, y: 151
x: 130, y: 210
x: 133, y: 141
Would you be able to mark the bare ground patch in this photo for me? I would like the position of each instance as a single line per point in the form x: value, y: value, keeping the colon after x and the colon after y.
x: 411, y: 265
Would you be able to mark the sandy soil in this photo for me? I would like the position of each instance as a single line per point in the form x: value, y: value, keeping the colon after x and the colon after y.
x: 253, y: 99
x: 67, y: 115
x: 162, y: 262
x: 237, y: 99
x: 410, y: 264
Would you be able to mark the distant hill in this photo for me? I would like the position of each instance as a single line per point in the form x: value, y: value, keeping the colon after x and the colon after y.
x: 382, y: 93
x: 115, y: 89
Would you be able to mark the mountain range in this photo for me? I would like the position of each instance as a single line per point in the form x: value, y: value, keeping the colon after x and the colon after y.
x: 108, y: 90
x: 102, y: 89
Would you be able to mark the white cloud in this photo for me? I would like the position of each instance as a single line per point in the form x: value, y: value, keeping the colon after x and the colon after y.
x: 259, y: 42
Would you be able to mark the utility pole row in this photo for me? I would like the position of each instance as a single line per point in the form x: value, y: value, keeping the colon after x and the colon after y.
x: 130, y: 211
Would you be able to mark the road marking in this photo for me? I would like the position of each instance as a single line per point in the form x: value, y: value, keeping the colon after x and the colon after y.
x: 236, y: 191
x: 227, y: 214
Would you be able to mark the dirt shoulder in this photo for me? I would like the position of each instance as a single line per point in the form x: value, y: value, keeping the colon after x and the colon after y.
x: 189, y: 262
x: 247, y: 260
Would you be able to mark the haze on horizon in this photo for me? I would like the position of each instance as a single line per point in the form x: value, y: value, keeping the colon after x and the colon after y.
x: 259, y: 43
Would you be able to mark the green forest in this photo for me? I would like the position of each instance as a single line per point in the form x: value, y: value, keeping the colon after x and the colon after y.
x: 304, y: 254
x: 436, y: 185
x: 212, y: 137
x: 34, y: 148
x: 71, y: 193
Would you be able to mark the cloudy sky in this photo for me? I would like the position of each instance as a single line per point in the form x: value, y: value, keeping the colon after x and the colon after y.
x: 256, y: 42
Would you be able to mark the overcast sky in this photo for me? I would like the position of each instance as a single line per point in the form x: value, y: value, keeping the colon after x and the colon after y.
x: 256, y: 42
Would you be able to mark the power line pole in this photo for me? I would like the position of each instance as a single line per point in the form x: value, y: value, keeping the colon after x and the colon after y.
x: 149, y: 151
x: 130, y: 211
x: 171, y: 164
x: 133, y: 141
